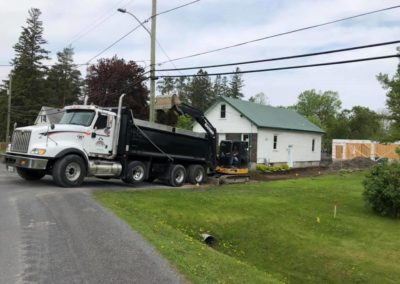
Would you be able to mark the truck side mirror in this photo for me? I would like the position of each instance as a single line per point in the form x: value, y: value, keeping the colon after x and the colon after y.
x: 93, y: 134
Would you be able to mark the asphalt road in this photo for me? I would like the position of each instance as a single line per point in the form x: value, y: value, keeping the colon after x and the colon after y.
x: 57, y: 235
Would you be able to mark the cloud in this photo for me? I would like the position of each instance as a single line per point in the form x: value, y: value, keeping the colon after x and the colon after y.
x: 93, y: 25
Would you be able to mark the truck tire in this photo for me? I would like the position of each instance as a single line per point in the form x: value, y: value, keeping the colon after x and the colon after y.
x: 135, y: 172
x: 177, y: 176
x: 30, y: 174
x: 196, y: 174
x: 69, y: 171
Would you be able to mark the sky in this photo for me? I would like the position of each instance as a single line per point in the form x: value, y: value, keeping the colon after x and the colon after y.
x: 90, y: 26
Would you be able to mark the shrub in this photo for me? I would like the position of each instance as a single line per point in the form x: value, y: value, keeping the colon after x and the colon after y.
x: 382, y: 189
x: 269, y: 169
x: 261, y: 167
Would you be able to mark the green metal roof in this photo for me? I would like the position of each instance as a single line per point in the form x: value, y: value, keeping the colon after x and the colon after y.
x: 271, y: 117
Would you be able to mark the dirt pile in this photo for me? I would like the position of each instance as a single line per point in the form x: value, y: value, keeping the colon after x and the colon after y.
x: 356, y: 163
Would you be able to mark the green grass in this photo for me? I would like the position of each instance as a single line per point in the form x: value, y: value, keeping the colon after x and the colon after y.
x: 268, y: 231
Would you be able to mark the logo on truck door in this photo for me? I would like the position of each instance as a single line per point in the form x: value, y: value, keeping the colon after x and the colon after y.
x: 100, y: 143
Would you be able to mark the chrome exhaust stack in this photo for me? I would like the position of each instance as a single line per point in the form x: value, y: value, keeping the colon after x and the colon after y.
x: 117, y: 127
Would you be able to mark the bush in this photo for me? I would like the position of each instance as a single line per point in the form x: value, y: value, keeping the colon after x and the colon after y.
x: 271, y: 169
x: 382, y: 189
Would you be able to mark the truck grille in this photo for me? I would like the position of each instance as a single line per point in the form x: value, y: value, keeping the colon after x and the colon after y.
x: 20, y: 141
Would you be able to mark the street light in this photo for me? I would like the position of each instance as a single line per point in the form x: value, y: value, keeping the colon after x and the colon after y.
x: 152, y: 34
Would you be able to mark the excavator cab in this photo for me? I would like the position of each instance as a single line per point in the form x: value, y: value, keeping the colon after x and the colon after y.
x: 233, y: 157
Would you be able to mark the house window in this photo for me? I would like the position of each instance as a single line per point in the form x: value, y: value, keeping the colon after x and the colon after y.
x: 275, y: 142
x: 223, y: 111
x: 245, y: 137
x: 313, y: 145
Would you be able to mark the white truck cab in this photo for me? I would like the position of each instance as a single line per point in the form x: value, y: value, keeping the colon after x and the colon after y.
x: 68, y: 149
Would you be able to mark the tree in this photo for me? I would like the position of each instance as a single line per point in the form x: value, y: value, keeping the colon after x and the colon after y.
x: 110, y: 78
x: 220, y: 86
x: 166, y: 86
x: 28, y: 74
x: 181, y: 88
x: 365, y: 124
x: 3, y: 114
x: 224, y: 86
x: 340, y: 127
x: 235, y: 86
x: 64, y: 80
x: 184, y: 122
x: 324, y: 105
x: 321, y: 108
x: 259, y: 98
x: 200, y: 92
x: 393, y: 98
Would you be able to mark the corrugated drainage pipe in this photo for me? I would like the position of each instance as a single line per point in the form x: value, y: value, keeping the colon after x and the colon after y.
x: 208, y: 239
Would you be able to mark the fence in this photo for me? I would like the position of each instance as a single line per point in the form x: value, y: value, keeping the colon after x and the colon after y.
x: 350, y: 149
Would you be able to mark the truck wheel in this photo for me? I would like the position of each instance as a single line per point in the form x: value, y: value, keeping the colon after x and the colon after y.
x: 30, y: 174
x: 177, y: 175
x: 196, y: 174
x: 69, y: 171
x: 135, y: 172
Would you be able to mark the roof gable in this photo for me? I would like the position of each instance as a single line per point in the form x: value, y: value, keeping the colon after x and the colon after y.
x: 271, y: 117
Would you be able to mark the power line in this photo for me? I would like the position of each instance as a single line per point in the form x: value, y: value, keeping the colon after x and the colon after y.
x: 285, y: 57
x: 173, y: 9
x: 114, y: 43
x: 281, y: 34
x: 287, y: 67
x: 76, y: 38
x: 96, y: 23
x: 141, y: 23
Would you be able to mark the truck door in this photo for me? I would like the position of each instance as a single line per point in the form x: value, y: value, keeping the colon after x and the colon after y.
x: 102, y: 135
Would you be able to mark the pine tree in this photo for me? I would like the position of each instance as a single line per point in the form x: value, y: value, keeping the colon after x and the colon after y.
x: 220, y: 86
x: 64, y: 80
x: 236, y: 84
x: 166, y: 86
x: 181, y: 88
x: 224, y: 87
x: 28, y: 75
x: 201, y: 93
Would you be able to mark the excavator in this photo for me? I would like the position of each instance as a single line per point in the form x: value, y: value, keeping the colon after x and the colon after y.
x: 231, y: 162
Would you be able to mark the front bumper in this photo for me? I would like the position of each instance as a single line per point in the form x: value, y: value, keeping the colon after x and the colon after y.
x: 25, y: 162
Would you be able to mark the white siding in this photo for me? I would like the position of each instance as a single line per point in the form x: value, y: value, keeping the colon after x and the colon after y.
x: 232, y: 123
x: 302, y: 154
x: 301, y: 146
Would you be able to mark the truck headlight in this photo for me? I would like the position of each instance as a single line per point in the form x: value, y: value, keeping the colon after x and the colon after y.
x: 8, y: 148
x: 38, y: 151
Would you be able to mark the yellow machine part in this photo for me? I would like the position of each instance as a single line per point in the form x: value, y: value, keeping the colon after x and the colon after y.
x: 232, y: 171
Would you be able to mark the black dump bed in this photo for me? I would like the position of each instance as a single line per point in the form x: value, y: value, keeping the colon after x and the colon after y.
x: 143, y: 138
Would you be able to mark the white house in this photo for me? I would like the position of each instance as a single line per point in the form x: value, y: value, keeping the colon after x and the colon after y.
x: 275, y: 135
x: 48, y: 115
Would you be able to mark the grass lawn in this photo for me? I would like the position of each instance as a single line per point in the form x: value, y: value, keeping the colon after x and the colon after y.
x: 267, y: 232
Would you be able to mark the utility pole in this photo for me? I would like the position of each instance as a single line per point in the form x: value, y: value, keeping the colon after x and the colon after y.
x: 9, y: 111
x: 152, y: 34
x: 153, y: 60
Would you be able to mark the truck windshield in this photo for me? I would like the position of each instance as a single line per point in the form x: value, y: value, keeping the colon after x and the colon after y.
x: 78, y: 116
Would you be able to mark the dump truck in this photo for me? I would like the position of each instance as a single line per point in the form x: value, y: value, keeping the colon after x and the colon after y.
x: 110, y: 143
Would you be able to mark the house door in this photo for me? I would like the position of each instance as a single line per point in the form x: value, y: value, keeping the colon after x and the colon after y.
x: 290, y: 156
